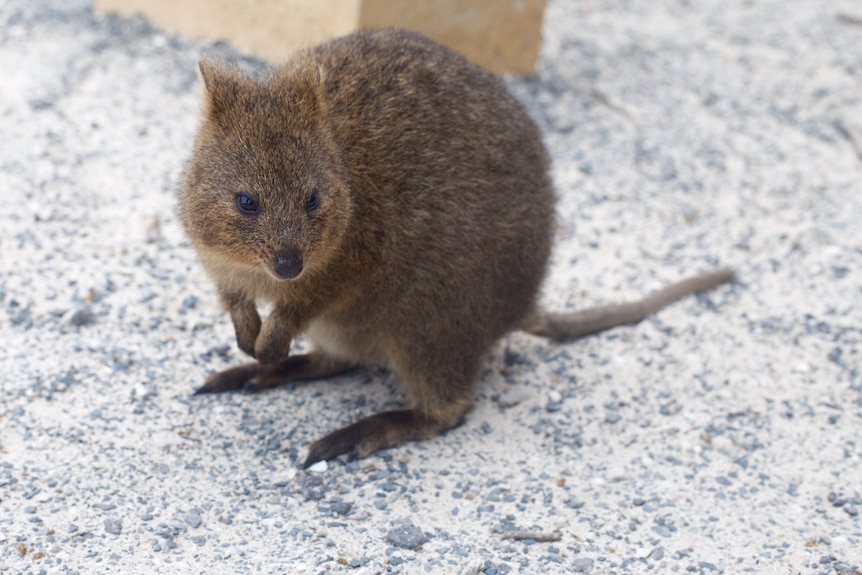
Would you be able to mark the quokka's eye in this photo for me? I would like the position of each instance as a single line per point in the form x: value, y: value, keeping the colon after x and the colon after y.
x: 246, y: 204
x: 313, y: 201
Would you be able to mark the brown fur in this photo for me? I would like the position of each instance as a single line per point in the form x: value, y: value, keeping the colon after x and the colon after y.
x: 429, y: 243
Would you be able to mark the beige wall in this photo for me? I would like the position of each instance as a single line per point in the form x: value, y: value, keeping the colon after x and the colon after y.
x: 503, y: 35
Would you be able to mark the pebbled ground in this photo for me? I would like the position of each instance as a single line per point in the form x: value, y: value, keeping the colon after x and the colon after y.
x: 723, y: 435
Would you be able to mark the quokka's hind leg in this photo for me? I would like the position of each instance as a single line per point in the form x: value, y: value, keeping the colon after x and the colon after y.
x: 439, y: 390
x: 386, y: 429
x: 254, y: 376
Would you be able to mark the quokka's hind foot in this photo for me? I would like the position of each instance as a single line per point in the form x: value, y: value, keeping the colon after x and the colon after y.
x: 383, y: 430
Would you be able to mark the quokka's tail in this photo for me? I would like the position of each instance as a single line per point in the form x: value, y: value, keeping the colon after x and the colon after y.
x: 574, y: 325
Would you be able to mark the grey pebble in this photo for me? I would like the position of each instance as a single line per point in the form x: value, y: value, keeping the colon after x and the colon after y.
x: 671, y: 408
x: 851, y: 510
x: 193, y: 518
x: 406, y: 535
x: 844, y: 569
x: 656, y: 554
x: 662, y: 530
x: 472, y: 568
x: 81, y: 316
x: 583, y: 565
x: 311, y: 487
x: 178, y: 525
x: 554, y: 406
x: 341, y: 507
x: 114, y: 526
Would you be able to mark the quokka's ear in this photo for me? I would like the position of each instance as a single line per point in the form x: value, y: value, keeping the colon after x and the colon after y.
x: 302, y: 82
x: 221, y: 85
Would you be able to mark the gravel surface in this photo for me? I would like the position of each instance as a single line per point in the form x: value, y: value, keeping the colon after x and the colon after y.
x: 722, y: 436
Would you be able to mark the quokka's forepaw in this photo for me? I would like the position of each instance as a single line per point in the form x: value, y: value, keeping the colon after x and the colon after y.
x: 230, y: 379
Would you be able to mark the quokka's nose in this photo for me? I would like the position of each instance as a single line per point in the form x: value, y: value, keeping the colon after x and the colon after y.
x: 288, y: 264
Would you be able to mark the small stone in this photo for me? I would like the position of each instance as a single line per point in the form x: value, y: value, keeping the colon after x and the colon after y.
x: 656, y: 554
x: 178, y: 525
x: 670, y: 408
x: 81, y: 316
x: 165, y: 439
x: 319, y: 467
x: 835, y: 500
x: 472, y: 568
x: 662, y: 530
x: 193, y: 518
x: 844, y: 569
x: 583, y: 565
x: 801, y: 367
x: 514, y: 395
x: 312, y: 488
x: 851, y: 510
x: 406, y: 535
x: 114, y: 526
x: 341, y: 507
x: 612, y: 417
x: 143, y: 391
x: 284, y: 477
x: 574, y: 503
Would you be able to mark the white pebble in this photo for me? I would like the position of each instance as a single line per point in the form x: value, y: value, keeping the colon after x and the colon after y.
x: 284, y: 476
x: 801, y: 367
x: 514, y: 395
x: 166, y: 439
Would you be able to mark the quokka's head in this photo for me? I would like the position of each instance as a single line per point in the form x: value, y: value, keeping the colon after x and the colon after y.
x: 265, y: 187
